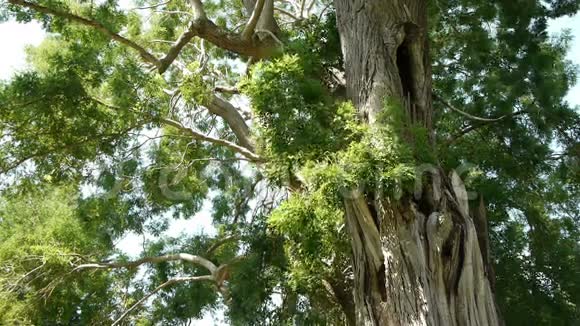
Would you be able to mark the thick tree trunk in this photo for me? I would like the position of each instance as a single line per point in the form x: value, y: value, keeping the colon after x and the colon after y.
x: 417, y: 260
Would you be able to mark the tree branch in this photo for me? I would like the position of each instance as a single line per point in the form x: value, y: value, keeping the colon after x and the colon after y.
x: 152, y: 6
x: 467, y: 115
x: 198, y: 11
x: 233, y: 119
x: 218, y: 274
x: 197, y: 260
x: 206, y: 29
x: 287, y: 13
x: 473, y: 127
x: 220, y: 243
x: 225, y: 89
x: 197, y: 135
x: 253, y: 21
x: 145, y: 55
x: 159, y: 288
x: 200, y: 26
x: 223, y: 109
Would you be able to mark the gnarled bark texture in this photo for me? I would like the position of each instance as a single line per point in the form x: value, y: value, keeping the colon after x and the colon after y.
x: 417, y: 260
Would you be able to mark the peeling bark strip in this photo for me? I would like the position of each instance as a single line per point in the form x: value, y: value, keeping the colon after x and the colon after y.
x: 416, y: 261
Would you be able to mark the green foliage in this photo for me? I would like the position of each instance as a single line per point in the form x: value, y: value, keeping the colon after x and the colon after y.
x: 194, y: 88
x: 313, y: 220
x: 298, y: 120
x: 317, y: 42
x: 255, y: 278
x: 313, y: 225
x: 295, y: 113
x: 40, y: 236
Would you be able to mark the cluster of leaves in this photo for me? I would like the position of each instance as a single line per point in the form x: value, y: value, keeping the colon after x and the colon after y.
x: 294, y: 110
x: 317, y: 42
x: 297, y: 119
x: 194, y: 88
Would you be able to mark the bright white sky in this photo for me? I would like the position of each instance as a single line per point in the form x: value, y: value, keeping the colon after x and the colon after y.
x: 15, y: 37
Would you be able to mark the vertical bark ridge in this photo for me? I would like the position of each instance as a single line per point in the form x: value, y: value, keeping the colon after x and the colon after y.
x: 366, y: 247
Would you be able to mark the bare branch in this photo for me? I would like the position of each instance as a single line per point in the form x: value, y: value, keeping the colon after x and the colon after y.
x: 200, y: 26
x: 152, y: 6
x: 473, y: 127
x: 253, y: 21
x: 272, y: 35
x: 198, y: 11
x: 467, y: 115
x: 197, y: 135
x: 145, y: 55
x: 302, y: 4
x: 206, y: 29
x: 233, y: 118
x: 159, y: 288
x: 197, y: 260
x: 309, y: 10
x: 225, y: 89
x: 223, y: 109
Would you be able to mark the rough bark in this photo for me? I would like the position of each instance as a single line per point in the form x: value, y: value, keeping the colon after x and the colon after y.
x: 385, y: 51
x: 417, y: 260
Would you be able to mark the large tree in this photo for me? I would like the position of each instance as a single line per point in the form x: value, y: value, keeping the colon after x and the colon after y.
x: 333, y: 141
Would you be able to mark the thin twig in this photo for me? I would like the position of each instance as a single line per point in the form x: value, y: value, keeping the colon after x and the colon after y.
x: 287, y: 13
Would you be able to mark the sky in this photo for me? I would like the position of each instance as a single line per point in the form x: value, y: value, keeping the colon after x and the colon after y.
x: 14, y: 38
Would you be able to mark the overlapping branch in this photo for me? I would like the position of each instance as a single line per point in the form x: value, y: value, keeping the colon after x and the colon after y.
x: 233, y: 119
x: 479, y: 121
x: 221, y: 108
x: 251, y: 25
x: 468, y: 115
x: 201, y: 27
x: 206, y: 29
x: 481, y: 124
